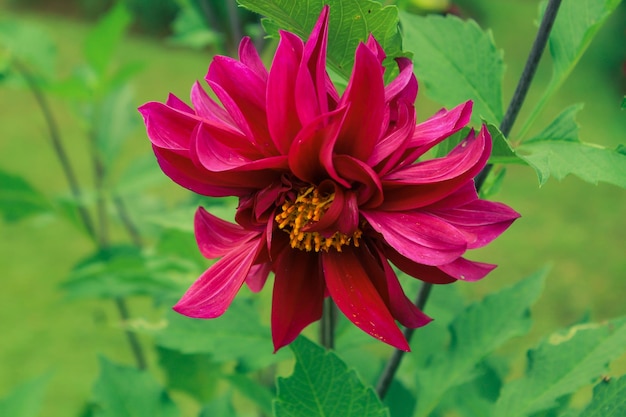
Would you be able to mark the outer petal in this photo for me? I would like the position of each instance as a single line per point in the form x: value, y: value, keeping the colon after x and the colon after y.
x: 466, y: 270
x: 420, y: 237
x: 209, y: 110
x: 213, y: 292
x: 258, y: 276
x: 167, y: 127
x: 426, y: 273
x: 216, y: 237
x: 350, y: 287
x: 249, y: 56
x: 298, y: 295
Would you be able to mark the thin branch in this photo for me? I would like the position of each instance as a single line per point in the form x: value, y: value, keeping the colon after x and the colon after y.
x: 327, y: 325
x: 519, y: 96
x: 57, y: 145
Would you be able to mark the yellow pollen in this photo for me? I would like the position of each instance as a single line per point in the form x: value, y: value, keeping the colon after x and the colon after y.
x: 309, y: 207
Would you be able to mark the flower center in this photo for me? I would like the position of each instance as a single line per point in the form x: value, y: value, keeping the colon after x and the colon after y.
x: 307, y: 209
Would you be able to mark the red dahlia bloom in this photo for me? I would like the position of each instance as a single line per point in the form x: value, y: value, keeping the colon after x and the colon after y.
x: 329, y: 188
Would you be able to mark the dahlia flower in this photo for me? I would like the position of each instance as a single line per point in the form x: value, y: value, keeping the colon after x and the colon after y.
x: 332, y: 188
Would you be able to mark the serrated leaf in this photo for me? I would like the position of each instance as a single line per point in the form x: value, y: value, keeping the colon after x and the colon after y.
x: 118, y: 272
x: 557, y: 152
x: 609, y: 399
x: 106, y: 36
x: 501, y: 153
x: 235, y: 336
x: 476, y: 332
x: 455, y: 61
x: 322, y: 385
x: 195, y: 374
x: 25, y: 400
x: 561, y: 365
x: 350, y: 22
x: 19, y: 199
x: 122, y: 391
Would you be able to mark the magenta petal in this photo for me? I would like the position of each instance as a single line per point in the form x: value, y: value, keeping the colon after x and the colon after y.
x: 216, y: 237
x: 466, y: 270
x: 393, y: 143
x: 404, y: 86
x: 258, y: 276
x: 249, y: 56
x: 362, y: 178
x: 298, y: 295
x: 212, y: 293
x: 425, y: 273
x: 168, y: 128
x: 177, y: 104
x: 209, y: 110
x: 366, y: 95
x: 420, y: 237
x: 282, y: 117
x: 350, y: 287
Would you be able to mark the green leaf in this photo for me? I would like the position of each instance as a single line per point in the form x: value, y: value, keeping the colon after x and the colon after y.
x: 195, y: 374
x: 561, y: 365
x: 141, y: 174
x: 350, y: 22
x: 502, y: 153
x: 322, y: 385
x: 25, y: 400
x: 609, y: 399
x: 236, y: 336
x: 28, y: 44
x: 18, y: 199
x: 122, y: 391
x: 190, y: 28
x: 624, y: 103
x: 118, y: 272
x: 476, y: 332
x: 557, y: 151
x: 104, y: 39
x: 219, y: 407
x: 455, y: 61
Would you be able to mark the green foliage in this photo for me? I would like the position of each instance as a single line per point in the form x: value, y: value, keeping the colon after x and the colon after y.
x: 252, y: 390
x: 475, y: 333
x: 562, y: 364
x: 322, y: 385
x: 609, y: 399
x: 19, y: 199
x: 501, y: 153
x: 195, y: 374
x: 25, y: 400
x: 350, y: 22
x: 190, y: 27
x: 104, y: 39
x: 456, y: 61
x: 557, y: 151
x: 27, y: 45
x: 122, y: 391
x: 221, y: 406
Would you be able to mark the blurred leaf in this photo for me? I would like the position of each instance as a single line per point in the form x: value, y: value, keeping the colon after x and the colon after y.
x: 141, y: 174
x: 219, y: 407
x: 624, y: 103
x: 477, y: 397
x: 181, y: 245
x: 18, y: 199
x: 456, y: 61
x: 25, y: 400
x: 194, y: 374
x: 561, y: 365
x: 106, y: 36
x: 252, y: 390
x: 119, y: 271
x: 557, y: 151
x: 190, y: 28
x: 609, y: 399
x: 350, y: 22
x: 493, y: 183
x: 400, y: 400
x: 237, y: 335
x: 123, y: 391
x: 28, y: 44
x: 476, y: 332
x: 502, y: 153
x: 322, y: 385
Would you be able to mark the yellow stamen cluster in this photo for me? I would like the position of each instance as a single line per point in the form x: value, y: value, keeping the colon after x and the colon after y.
x: 309, y: 207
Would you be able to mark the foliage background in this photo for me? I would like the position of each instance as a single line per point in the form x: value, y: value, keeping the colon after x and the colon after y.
x: 576, y: 227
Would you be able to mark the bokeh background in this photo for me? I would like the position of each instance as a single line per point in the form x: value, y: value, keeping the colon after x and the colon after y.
x: 577, y: 228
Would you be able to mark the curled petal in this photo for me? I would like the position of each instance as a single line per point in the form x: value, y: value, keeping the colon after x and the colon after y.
x: 466, y: 270
x: 249, y: 56
x: 212, y: 293
x: 420, y: 237
x: 362, y: 178
x: 209, y: 110
x: 167, y: 127
x: 350, y: 287
x: 258, y: 276
x: 216, y: 237
x: 404, y: 86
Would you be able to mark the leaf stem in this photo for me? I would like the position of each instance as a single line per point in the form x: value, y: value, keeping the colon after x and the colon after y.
x: 543, y: 33
x: 327, y: 325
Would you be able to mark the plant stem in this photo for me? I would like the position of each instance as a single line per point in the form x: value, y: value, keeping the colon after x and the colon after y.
x: 57, y: 145
x: 512, y: 112
x: 327, y: 325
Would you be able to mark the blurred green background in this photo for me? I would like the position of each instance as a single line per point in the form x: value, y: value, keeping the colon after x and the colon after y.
x: 575, y: 227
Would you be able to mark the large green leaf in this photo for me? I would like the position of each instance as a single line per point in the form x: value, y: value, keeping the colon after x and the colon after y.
x: 475, y: 333
x: 122, y: 391
x: 561, y: 365
x: 351, y: 22
x: 322, y: 386
x: 106, y: 36
x: 25, y: 400
x: 455, y: 61
x: 236, y: 336
x: 19, y: 199
x: 557, y: 152
x: 609, y: 399
x: 195, y: 374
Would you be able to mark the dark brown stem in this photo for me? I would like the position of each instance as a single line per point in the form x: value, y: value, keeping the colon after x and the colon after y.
x: 327, y: 324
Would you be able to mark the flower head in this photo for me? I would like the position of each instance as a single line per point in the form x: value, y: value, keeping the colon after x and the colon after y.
x: 331, y: 187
